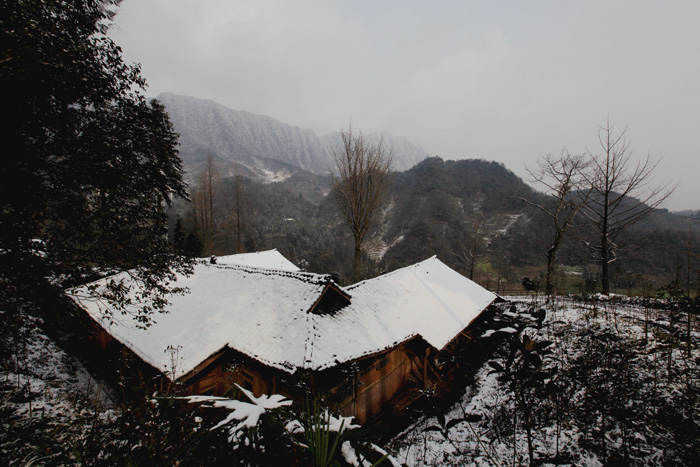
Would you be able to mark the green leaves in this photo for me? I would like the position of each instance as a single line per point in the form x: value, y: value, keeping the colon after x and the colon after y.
x: 89, y: 164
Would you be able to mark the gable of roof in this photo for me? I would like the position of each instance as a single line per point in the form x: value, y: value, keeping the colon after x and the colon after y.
x: 331, y: 300
x: 269, y: 315
x: 269, y: 259
x: 427, y: 299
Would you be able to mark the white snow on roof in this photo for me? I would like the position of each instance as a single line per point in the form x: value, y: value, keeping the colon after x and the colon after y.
x: 264, y: 314
x: 270, y: 259
x: 427, y: 299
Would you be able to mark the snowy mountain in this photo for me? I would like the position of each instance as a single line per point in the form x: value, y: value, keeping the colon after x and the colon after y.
x: 258, y: 142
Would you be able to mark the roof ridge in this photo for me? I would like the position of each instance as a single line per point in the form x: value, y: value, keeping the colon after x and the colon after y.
x: 299, y: 275
x: 249, y: 253
x: 394, y: 272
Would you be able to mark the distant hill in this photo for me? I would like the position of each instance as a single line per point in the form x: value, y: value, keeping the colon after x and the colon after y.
x: 263, y: 146
x: 435, y: 208
x: 438, y: 206
x: 462, y: 211
x: 448, y: 208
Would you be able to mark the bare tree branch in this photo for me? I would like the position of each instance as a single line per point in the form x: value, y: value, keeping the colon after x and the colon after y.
x: 562, y: 177
x: 360, y: 183
x: 620, y: 196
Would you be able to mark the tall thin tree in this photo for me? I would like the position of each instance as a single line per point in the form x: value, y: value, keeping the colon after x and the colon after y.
x: 620, y: 196
x: 239, y: 205
x: 469, y: 251
x: 360, y: 183
x: 203, y: 203
x: 561, y: 176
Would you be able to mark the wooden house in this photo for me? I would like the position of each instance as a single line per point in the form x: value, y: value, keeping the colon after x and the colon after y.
x: 363, y: 347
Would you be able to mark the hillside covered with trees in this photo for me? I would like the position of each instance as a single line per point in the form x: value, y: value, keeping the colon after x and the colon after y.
x: 475, y: 215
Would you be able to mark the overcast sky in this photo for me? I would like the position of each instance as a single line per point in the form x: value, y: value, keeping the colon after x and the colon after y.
x: 498, y: 80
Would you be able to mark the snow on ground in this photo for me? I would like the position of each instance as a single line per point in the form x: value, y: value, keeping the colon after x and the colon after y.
x: 52, y: 382
x: 510, y: 220
x: 44, y: 393
x: 48, y: 401
x: 474, y: 431
x: 375, y: 246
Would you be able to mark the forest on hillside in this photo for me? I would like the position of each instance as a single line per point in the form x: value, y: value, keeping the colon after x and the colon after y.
x: 470, y: 213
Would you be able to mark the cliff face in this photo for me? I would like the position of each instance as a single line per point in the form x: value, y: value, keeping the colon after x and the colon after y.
x: 207, y: 128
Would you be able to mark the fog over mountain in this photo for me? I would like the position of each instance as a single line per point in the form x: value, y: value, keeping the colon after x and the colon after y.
x: 258, y: 142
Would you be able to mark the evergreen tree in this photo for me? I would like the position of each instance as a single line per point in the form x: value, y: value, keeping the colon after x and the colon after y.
x: 88, y: 163
x: 179, y: 236
x: 193, y: 246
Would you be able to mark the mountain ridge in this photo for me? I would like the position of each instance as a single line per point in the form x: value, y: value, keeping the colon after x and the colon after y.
x: 468, y: 212
x: 240, y: 137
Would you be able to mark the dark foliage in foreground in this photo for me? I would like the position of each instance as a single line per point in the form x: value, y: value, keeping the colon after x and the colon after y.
x: 88, y: 164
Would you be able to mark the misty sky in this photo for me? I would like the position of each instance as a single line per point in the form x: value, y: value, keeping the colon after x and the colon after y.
x: 498, y: 80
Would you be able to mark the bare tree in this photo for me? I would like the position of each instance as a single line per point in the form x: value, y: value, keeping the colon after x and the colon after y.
x: 470, y: 250
x: 360, y: 183
x: 562, y: 179
x: 203, y: 203
x: 239, y: 207
x: 620, y: 195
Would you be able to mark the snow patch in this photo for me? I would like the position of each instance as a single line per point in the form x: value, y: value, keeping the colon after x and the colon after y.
x: 268, y: 176
x: 510, y: 220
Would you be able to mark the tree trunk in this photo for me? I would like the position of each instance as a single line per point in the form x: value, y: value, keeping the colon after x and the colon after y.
x: 239, y: 242
x: 551, y: 257
x: 605, y: 273
x: 604, y: 249
x: 358, y: 258
x: 528, y: 428
x: 549, y: 286
x: 690, y: 341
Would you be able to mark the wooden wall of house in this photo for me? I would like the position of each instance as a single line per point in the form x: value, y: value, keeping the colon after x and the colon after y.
x: 376, y: 385
x: 211, y: 382
x: 220, y: 377
x: 379, y: 380
x: 124, y: 369
x: 362, y: 394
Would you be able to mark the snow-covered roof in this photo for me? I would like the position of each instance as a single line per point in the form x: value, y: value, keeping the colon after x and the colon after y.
x: 270, y: 259
x: 265, y: 315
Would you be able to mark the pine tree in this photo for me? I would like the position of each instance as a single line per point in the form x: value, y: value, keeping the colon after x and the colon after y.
x: 88, y: 163
x: 193, y: 246
x: 179, y: 236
